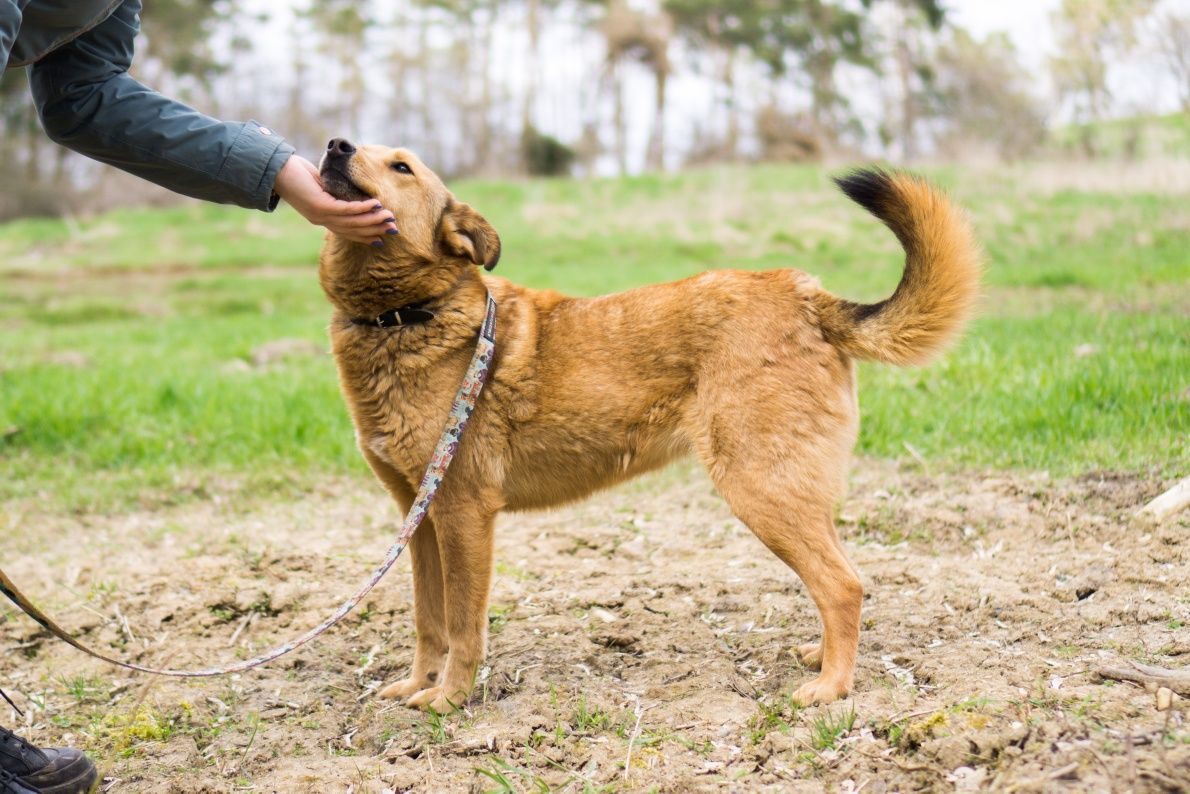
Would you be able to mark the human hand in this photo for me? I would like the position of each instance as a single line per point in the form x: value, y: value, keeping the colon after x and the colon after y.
x: 362, y: 221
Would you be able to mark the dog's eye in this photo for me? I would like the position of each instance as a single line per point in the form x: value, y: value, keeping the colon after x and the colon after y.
x: 402, y: 168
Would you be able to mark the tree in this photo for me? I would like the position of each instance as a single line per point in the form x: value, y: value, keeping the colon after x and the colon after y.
x: 800, y: 40
x: 644, y: 38
x: 1173, y: 43
x: 535, y: 12
x: 343, y: 26
x: 914, y: 28
x: 177, y: 42
x: 1092, y: 34
x: 983, y: 95
x: 724, y: 29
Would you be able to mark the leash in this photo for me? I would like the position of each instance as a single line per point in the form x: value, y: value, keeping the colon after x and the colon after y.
x: 444, y: 452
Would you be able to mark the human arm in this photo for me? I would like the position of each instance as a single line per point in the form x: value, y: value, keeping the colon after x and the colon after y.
x: 89, y: 103
x: 11, y: 12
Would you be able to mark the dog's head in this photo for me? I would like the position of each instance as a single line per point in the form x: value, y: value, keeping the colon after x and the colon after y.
x: 434, y: 225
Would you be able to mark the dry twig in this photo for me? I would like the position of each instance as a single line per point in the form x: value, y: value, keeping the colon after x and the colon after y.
x: 1173, y: 501
x: 1177, y: 680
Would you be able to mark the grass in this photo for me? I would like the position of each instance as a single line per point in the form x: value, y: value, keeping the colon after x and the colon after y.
x: 1144, y: 136
x: 124, y: 358
x: 828, y: 728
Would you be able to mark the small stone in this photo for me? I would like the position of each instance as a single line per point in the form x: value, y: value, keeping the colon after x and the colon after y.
x: 615, y: 639
x: 633, y: 549
x: 968, y: 778
x: 603, y: 614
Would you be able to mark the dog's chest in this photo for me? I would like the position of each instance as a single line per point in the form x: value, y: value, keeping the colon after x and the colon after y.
x: 398, y: 410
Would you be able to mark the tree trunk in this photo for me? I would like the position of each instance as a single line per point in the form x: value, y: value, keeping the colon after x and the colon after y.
x: 655, y: 161
x: 821, y: 66
x: 484, y: 150
x: 425, y: 65
x: 529, y: 100
x: 732, y: 143
x: 618, y: 119
x: 908, y: 100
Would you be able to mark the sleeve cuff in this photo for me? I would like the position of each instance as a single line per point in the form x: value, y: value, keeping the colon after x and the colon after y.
x: 251, y: 166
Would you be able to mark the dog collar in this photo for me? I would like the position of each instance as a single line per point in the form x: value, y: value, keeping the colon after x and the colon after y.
x: 412, y: 314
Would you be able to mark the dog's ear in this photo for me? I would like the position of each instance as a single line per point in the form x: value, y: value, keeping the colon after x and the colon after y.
x: 464, y: 232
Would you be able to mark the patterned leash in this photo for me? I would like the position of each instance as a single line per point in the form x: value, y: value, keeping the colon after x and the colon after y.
x: 456, y: 423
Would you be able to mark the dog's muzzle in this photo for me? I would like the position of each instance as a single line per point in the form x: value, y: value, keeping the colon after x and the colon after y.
x: 333, y: 171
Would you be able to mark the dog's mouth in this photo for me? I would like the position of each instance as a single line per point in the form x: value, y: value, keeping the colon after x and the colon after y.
x: 339, y: 185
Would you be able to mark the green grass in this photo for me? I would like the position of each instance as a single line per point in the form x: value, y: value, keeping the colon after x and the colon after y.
x: 162, y: 308
x: 1143, y: 136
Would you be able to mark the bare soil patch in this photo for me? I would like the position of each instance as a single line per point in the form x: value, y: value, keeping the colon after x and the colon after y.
x: 640, y: 640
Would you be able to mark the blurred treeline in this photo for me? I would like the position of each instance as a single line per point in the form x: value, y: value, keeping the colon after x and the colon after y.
x: 606, y: 86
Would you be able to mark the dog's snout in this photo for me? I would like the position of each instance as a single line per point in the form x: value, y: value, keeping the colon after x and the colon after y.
x: 339, y: 146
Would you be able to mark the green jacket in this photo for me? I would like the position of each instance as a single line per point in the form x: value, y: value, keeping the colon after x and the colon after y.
x: 79, y: 52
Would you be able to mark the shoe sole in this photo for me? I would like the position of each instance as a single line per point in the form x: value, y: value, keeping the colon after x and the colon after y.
x: 83, y: 782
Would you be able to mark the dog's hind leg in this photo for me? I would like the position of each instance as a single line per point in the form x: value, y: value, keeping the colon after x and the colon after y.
x: 785, y: 494
x: 798, y: 529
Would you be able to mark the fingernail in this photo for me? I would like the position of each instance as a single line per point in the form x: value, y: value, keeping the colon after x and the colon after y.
x: 391, y: 220
x: 391, y: 231
x: 377, y: 207
x: 378, y: 243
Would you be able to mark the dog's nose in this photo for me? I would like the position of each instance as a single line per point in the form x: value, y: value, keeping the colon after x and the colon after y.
x: 340, y: 146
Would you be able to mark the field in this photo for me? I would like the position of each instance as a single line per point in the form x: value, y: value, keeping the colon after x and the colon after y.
x: 179, y: 485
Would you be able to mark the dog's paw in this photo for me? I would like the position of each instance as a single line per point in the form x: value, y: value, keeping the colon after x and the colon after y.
x: 820, y: 690
x: 404, y: 688
x: 435, y: 699
x: 810, y: 655
x: 425, y: 697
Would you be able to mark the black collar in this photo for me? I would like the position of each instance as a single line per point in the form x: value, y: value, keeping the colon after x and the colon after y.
x: 412, y: 314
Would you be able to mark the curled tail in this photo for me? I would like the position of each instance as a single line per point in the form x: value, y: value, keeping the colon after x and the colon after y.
x: 937, y: 289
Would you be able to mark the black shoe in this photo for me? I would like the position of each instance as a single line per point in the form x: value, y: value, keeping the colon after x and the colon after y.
x: 25, y: 768
x: 10, y: 784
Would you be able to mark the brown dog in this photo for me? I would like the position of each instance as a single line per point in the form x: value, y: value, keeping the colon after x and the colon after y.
x: 751, y: 372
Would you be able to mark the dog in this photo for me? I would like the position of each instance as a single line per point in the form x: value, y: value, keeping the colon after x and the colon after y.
x: 752, y: 372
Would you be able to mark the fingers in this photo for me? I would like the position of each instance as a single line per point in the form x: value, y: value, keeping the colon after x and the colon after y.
x: 364, y: 228
x: 372, y: 218
x: 364, y: 231
x: 333, y: 206
x: 327, y: 204
x: 360, y: 238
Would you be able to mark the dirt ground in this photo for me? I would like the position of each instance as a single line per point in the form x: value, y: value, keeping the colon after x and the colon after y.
x: 639, y: 641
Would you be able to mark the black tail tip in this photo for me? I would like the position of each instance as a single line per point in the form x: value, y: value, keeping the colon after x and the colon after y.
x: 870, y: 188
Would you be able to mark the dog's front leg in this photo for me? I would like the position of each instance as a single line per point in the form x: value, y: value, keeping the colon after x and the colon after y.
x: 429, y: 616
x: 465, y: 539
x: 429, y: 655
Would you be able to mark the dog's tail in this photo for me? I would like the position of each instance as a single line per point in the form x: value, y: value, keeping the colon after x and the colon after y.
x: 937, y: 289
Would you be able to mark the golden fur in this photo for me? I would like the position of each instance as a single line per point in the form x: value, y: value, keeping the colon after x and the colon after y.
x: 751, y: 372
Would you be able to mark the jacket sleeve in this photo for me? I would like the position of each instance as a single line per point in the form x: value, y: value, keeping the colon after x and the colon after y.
x: 89, y: 103
x: 10, y: 26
